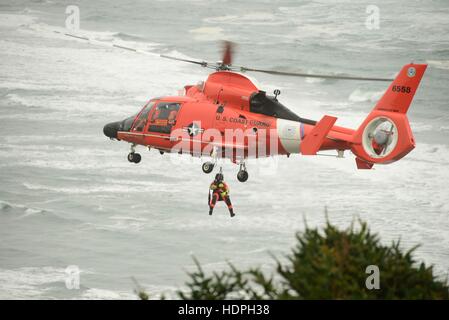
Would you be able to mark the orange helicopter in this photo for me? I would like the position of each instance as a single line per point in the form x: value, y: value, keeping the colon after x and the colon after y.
x: 228, y: 116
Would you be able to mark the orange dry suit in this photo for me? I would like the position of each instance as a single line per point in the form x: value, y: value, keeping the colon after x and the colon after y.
x: 220, y: 192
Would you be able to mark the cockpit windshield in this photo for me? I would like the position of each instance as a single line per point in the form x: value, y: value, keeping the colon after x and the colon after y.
x: 143, y: 117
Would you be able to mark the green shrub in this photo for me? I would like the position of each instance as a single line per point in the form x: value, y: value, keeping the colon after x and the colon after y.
x: 327, y: 265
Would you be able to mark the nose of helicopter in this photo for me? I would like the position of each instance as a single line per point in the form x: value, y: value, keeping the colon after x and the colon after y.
x: 110, y: 130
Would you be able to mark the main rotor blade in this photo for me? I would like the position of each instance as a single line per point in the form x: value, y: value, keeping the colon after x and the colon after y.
x: 104, y: 43
x: 228, y: 48
x: 227, y: 59
x: 309, y: 75
x: 201, y: 63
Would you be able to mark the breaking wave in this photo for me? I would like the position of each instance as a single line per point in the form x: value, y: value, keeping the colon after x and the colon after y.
x: 360, y: 95
x: 439, y: 64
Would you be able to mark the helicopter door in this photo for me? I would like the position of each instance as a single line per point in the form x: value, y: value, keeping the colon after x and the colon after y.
x: 163, y: 118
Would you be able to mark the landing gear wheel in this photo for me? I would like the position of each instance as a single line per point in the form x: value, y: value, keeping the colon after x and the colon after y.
x: 137, y: 157
x: 208, y: 167
x: 242, y: 175
x: 134, y: 157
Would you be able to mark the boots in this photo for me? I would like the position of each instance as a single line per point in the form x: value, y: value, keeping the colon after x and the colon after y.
x: 231, y: 212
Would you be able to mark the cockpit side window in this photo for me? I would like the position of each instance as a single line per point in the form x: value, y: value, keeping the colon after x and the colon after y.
x: 164, y: 117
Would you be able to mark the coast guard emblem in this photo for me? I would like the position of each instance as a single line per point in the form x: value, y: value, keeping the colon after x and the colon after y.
x: 411, y: 72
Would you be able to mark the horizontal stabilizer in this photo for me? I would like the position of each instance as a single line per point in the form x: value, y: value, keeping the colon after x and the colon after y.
x: 315, y: 138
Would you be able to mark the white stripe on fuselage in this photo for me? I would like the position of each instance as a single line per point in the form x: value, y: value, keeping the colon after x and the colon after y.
x: 289, y: 133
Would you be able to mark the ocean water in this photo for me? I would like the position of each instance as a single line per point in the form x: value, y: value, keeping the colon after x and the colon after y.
x: 69, y: 197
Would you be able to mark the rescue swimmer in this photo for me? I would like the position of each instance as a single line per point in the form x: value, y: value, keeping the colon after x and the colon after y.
x: 219, y: 191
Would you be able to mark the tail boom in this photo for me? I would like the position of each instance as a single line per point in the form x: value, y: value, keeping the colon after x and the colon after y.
x: 384, y: 136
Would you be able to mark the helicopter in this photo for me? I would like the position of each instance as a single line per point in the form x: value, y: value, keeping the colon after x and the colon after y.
x: 229, y: 116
